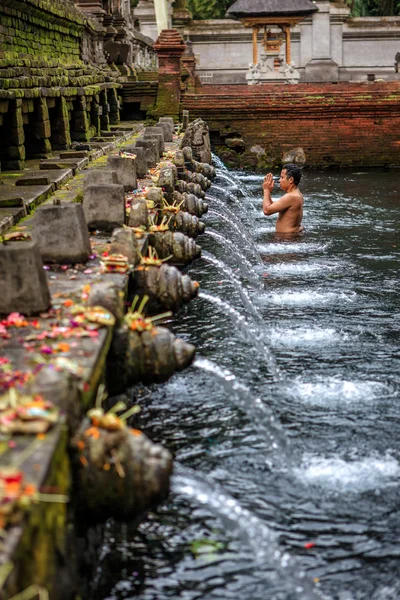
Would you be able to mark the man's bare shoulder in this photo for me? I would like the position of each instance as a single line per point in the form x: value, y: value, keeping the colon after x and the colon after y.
x: 294, y: 197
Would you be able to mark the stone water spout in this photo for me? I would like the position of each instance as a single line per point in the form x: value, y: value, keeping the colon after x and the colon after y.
x: 165, y: 286
x: 118, y: 471
x: 181, y: 248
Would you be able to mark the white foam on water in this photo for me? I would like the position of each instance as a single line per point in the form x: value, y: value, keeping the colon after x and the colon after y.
x: 307, y: 297
x: 288, y: 247
x: 297, y: 268
x: 299, y: 337
x: 369, y: 473
x: 328, y: 391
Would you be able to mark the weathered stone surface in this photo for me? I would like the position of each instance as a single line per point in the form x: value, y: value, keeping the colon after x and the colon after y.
x: 104, y: 206
x: 139, y: 215
x: 61, y: 233
x: 165, y: 286
x: 124, y: 241
x: 157, y: 131
x: 182, y: 248
x: 22, y: 279
x: 95, y: 176
x: 31, y: 195
x: 167, y: 129
x: 61, y: 388
x: 125, y: 169
x: 61, y: 163
x: 156, y: 195
x: 152, y: 152
x: 104, y: 493
x: 198, y: 138
x: 141, y: 160
x: 108, y: 295
x: 55, y: 176
x: 167, y: 180
x: 294, y: 155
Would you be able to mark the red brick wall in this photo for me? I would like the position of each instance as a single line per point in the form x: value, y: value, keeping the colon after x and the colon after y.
x: 346, y: 124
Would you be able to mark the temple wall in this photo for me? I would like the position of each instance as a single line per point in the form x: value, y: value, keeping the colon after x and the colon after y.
x: 55, y: 85
x: 359, y: 46
x: 336, y: 125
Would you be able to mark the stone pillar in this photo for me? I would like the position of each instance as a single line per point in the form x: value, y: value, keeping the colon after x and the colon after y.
x: 321, y: 67
x: 114, y: 106
x: 80, y: 121
x: 12, y: 148
x: 104, y: 110
x: 60, y: 134
x: 41, y: 130
x: 95, y: 114
x: 169, y: 47
x: 255, y: 47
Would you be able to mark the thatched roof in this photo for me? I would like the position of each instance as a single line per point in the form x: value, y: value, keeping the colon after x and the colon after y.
x: 271, y: 8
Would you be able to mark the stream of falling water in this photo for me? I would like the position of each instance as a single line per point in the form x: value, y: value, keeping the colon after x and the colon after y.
x: 286, y: 430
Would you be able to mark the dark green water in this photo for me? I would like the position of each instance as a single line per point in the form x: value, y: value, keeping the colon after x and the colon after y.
x: 314, y: 335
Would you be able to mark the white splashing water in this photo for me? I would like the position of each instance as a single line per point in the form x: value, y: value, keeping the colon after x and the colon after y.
x: 366, y: 474
x: 328, y: 391
x: 286, y: 248
x: 299, y: 268
x: 307, y: 297
x: 300, y: 337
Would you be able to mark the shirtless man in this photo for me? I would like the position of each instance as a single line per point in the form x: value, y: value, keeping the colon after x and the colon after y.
x: 290, y: 206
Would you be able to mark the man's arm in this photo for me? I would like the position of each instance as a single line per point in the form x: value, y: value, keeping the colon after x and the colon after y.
x: 278, y: 206
x: 268, y: 186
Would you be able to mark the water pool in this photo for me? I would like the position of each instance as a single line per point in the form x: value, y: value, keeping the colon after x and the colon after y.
x: 286, y: 431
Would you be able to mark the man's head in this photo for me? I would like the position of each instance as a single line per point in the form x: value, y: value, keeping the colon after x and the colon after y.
x: 290, y: 175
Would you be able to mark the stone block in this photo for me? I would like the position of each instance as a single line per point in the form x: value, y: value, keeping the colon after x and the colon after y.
x: 167, y: 180
x: 159, y: 133
x: 152, y: 152
x: 139, y: 214
x: 124, y: 241
x: 22, y: 279
x: 61, y: 233
x: 141, y: 160
x: 104, y: 206
x: 167, y: 129
x: 169, y: 120
x: 95, y: 176
x: 156, y: 195
x: 125, y: 169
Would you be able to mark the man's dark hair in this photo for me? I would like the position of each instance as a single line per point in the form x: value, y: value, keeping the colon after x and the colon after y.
x: 293, y: 171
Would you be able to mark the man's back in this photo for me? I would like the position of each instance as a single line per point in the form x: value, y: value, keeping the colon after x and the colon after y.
x: 289, y: 219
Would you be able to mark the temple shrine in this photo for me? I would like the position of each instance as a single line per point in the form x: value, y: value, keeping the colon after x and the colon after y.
x: 274, y: 64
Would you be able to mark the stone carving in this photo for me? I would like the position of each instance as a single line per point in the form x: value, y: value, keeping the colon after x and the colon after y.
x: 198, y: 138
x: 397, y: 62
x: 267, y: 70
x: 253, y: 74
